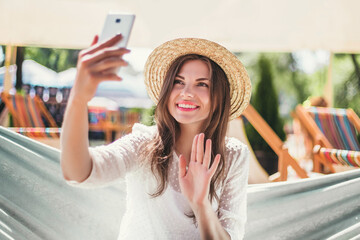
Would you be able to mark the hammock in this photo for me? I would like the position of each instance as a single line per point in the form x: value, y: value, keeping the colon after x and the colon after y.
x: 36, y: 203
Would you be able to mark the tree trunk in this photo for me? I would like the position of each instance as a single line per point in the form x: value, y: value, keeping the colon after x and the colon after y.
x: 356, y: 66
x: 20, y: 54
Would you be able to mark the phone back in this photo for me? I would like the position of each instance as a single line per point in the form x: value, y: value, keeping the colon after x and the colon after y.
x: 116, y: 23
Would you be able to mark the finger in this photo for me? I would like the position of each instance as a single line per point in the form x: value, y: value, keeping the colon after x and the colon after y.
x: 182, y: 166
x: 207, y: 155
x: 101, y: 77
x: 103, y: 55
x: 214, y: 165
x: 109, y: 63
x: 95, y: 40
x: 193, y: 149
x: 108, y: 43
x: 110, y: 70
x: 200, y: 148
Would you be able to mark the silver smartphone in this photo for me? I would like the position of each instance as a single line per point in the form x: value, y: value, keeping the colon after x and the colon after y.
x: 116, y: 23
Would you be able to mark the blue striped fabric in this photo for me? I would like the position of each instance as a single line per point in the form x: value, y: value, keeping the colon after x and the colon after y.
x: 355, y: 146
x: 335, y: 125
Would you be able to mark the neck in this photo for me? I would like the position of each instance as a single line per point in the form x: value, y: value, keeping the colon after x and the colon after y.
x: 184, y: 141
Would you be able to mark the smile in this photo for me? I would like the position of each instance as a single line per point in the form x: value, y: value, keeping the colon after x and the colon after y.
x: 186, y: 107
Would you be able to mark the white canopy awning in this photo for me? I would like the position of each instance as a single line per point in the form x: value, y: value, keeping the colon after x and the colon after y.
x: 242, y: 25
x: 37, y: 74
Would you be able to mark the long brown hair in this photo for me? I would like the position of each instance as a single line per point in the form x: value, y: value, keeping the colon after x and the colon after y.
x: 160, y: 149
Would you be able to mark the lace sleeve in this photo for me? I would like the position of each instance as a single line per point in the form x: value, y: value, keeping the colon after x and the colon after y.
x: 233, y: 204
x: 112, y: 162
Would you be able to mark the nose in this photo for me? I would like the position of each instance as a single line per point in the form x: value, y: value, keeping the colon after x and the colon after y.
x: 186, y: 92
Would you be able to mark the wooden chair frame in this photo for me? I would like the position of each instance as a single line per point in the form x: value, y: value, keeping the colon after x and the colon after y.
x: 285, y: 159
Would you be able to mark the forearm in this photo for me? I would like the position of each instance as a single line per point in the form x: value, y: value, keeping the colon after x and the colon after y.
x: 75, y: 159
x: 209, y: 224
x: 95, y: 64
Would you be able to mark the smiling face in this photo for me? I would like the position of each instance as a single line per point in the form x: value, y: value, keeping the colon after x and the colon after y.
x: 189, y: 102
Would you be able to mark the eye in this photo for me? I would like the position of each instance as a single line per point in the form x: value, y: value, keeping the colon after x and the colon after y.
x: 177, y: 81
x: 202, y: 84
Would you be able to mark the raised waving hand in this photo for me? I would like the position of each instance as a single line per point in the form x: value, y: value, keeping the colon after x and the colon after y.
x: 195, y: 180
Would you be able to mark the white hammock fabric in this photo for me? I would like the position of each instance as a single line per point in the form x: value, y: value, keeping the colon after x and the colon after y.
x: 36, y: 203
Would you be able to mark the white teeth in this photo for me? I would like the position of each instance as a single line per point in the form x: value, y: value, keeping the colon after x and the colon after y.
x: 186, y: 106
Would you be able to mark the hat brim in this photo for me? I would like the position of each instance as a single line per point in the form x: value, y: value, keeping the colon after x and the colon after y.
x: 160, y: 60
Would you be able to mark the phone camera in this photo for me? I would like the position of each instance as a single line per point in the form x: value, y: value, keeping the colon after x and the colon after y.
x: 118, y: 20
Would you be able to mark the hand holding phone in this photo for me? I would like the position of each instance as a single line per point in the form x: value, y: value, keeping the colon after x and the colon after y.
x: 118, y: 23
x: 101, y: 61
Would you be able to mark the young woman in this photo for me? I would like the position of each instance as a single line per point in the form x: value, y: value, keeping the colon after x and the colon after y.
x: 185, y: 179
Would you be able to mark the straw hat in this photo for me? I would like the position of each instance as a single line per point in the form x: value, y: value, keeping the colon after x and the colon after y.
x: 163, y: 56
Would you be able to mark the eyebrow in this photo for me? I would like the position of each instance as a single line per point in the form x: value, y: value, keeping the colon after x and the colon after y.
x: 199, y: 79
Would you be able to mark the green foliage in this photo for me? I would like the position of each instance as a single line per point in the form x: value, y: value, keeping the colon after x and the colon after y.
x: 147, y: 117
x: 55, y: 59
x: 347, y: 83
x: 288, y: 79
x: 265, y: 101
x: 2, y: 55
x: 293, y: 85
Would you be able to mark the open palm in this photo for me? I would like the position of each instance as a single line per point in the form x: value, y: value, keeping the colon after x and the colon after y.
x: 195, y: 180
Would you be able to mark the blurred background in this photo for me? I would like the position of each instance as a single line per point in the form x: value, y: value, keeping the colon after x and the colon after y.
x: 293, y: 50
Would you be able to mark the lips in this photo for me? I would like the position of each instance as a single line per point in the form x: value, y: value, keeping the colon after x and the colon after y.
x: 186, y: 106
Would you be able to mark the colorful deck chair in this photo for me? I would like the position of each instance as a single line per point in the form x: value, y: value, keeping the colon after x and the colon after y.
x: 285, y: 159
x: 333, y: 132
x: 30, y: 116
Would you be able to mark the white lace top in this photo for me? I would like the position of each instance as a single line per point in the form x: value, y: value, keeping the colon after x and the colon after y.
x: 164, y: 217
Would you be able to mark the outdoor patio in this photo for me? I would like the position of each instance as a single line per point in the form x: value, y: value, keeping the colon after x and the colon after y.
x: 304, y: 175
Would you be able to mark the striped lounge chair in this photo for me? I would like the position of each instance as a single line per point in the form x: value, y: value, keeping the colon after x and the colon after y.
x: 334, y: 135
x: 31, y: 118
